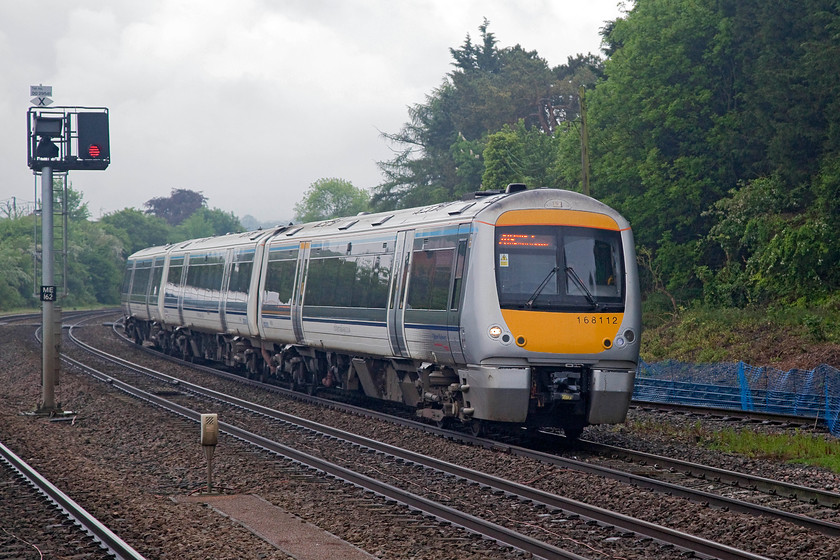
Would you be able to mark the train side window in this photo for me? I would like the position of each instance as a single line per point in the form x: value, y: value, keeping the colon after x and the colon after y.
x: 321, y: 282
x: 240, y: 278
x: 129, y: 270
x: 399, y: 294
x: 363, y: 283
x: 345, y: 282
x: 141, y: 284
x: 156, y: 277
x: 380, y: 281
x: 173, y: 279
x: 429, y: 279
x: 459, y: 275
x: 280, y: 282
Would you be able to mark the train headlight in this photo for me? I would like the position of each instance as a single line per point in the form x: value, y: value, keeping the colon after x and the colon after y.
x: 495, y: 331
x: 620, y: 342
x: 629, y: 335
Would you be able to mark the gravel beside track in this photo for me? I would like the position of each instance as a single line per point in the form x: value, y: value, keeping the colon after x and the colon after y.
x: 123, y: 468
x: 114, y: 462
x: 43, y: 532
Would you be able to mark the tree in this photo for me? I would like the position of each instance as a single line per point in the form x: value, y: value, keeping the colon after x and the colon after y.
x: 331, y: 198
x: 713, y: 132
x: 423, y: 170
x: 95, y: 265
x: 16, y: 280
x: 206, y: 223
x: 77, y: 210
x: 177, y: 207
x: 439, y: 151
x: 137, y: 230
x: 14, y: 208
x: 517, y: 154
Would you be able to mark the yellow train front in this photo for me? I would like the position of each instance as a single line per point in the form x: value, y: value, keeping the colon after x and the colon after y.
x: 551, y: 318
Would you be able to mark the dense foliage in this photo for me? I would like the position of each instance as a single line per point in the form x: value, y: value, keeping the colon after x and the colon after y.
x: 492, y: 121
x: 713, y: 126
x: 716, y: 132
x: 96, y: 250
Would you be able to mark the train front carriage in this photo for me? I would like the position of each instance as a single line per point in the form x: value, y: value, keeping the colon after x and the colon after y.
x: 554, y: 311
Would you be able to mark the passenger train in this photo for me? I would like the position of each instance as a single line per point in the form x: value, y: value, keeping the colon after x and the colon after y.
x: 518, y: 307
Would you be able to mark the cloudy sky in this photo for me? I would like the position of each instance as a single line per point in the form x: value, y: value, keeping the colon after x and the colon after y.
x: 250, y: 101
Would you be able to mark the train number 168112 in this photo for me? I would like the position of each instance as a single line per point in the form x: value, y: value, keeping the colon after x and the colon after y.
x: 597, y: 319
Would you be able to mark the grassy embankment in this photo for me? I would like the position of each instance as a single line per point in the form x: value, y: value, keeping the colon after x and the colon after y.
x: 796, y: 336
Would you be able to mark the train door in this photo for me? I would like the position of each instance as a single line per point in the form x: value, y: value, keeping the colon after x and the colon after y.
x: 153, y: 306
x: 453, y: 314
x: 147, y: 289
x: 182, y: 287
x: 396, y: 303
x: 173, y: 272
x: 128, y: 283
x: 300, y: 289
x: 225, y: 288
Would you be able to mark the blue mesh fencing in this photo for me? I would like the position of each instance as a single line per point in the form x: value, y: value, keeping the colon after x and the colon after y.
x: 812, y: 393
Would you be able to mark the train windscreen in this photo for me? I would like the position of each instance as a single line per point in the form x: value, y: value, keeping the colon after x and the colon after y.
x: 559, y: 268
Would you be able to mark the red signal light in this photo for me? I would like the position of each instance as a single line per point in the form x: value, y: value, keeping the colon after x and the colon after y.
x: 94, y: 151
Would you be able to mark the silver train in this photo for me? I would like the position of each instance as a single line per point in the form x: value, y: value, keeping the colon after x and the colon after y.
x: 519, y: 307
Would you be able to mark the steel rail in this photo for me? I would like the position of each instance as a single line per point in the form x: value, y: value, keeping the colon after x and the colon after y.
x: 803, y: 493
x: 87, y: 522
x: 767, y: 485
x: 734, y: 413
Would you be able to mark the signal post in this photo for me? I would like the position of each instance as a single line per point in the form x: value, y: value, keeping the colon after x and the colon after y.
x: 59, y: 139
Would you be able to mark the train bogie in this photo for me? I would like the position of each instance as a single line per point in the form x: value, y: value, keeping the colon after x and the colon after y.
x: 517, y: 307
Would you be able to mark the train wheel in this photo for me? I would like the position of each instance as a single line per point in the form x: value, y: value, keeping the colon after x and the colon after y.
x: 477, y: 428
x: 135, y: 334
x: 311, y: 384
x: 304, y: 380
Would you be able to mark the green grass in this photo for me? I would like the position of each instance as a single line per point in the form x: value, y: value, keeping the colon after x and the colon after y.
x: 806, y: 449
x: 795, y: 447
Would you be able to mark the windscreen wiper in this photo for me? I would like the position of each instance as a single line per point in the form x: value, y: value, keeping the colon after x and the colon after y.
x: 570, y: 272
x: 541, y: 287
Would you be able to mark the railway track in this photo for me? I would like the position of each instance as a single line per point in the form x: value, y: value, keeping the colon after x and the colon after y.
x: 438, y: 510
x: 813, y: 423
x: 544, y: 501
x: 79, y: 520
x: 658, y: 465
x: 708, y: 485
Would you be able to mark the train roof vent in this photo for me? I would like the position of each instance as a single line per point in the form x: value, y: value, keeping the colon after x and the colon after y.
x: 348, y: 225
x: 460, y: 209
x: 382, y: 220
x: 479, y: 194
x: 294, y: 231
x: 516, y: 187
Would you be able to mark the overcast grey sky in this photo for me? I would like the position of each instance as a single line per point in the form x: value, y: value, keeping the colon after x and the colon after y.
x: 250, y: 101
